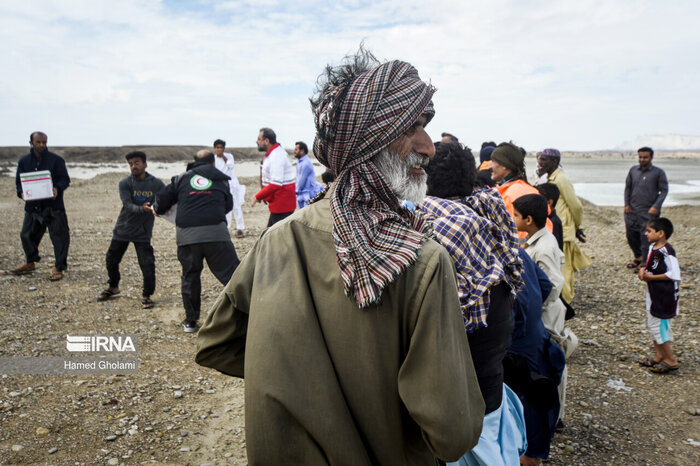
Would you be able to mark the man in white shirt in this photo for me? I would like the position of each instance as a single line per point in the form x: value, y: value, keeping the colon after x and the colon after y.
x: 224, y: 163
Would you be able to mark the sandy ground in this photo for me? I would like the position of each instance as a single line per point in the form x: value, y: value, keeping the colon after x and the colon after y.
x: 176, y: 412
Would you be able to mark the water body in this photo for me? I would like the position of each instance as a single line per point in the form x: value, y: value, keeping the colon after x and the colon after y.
x: 600, y: 181
x: 162, y: 170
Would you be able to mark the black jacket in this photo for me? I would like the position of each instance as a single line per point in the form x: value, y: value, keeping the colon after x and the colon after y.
x: 202, y: 196
x: 59, y: 177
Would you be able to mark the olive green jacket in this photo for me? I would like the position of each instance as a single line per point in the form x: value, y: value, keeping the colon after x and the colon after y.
x: 328, y: 383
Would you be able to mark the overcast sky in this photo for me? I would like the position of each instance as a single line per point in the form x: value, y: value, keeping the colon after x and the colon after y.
x: 577, y: 75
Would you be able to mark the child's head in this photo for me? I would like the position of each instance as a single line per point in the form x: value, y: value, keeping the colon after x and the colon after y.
x: 550, y: 192
x: 530, y: 209
x: 328, y: 176
x: 658, y: 226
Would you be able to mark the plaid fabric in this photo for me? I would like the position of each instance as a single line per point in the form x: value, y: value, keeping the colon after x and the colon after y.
x: 482, y: 242
x: 375, y: 238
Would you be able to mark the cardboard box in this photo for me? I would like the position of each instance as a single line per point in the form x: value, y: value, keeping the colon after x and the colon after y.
x: 36, y: 185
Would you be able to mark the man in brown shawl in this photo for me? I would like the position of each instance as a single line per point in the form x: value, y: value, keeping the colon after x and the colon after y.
x: 344, y: 318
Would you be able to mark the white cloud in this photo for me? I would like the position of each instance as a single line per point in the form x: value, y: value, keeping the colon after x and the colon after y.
x: 577, y: 75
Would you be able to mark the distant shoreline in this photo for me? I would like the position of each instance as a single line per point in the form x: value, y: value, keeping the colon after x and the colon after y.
x: 100, y: 154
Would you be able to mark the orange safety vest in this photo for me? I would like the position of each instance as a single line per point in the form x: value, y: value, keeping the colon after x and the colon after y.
x: 515, y: 189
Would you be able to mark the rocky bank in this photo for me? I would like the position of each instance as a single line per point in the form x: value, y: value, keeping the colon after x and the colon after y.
x: 173, y: 411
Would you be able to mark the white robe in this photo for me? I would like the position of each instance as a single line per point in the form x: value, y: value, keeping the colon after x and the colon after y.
x: 237, y: 190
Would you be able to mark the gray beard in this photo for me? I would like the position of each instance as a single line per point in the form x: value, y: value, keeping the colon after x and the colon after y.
x: 405, y: 186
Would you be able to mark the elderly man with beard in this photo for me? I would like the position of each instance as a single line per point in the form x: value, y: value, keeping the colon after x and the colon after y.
x: 570, y: 210
x: 345, y: 318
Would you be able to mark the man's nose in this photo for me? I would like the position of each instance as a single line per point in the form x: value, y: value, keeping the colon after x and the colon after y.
x: 422, y: 144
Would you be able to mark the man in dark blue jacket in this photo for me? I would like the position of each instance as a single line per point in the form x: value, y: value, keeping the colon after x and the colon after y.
x: 44, y: 213
x: 203, y: 197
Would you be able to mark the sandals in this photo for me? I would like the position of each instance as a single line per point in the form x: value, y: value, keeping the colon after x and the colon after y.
x: 56, y: 275
x: 649, y: 362
x: 559, y: 427
x: 634, y: 264
x: 107, y: 294
x: 147, y: 303
x: 663, y: 367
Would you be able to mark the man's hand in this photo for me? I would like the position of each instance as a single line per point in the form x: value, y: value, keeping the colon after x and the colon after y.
x: 653, y: 211
x: 580, y: 235
x: 255, y: 201
x: 22, y: 196
x: 55, y: 193
x: 628, y: 209
x: 147, y: 208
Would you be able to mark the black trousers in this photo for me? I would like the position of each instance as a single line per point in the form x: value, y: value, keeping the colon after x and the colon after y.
x: 488, y: 345
x: 222, y: 261
x: 147, y: 263
x: 274, y: 218
x: 33, y: 229
x: 635, y: 226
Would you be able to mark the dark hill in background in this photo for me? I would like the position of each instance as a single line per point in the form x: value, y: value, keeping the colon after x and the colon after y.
x: 116, y: 153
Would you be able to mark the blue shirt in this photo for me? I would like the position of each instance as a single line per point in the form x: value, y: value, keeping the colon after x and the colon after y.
x: 307, y: 186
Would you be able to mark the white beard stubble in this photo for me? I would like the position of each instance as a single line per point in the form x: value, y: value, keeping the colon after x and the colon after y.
x: 405, y: 186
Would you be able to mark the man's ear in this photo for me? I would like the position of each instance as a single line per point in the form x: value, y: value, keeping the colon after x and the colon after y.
x: 528, y: 220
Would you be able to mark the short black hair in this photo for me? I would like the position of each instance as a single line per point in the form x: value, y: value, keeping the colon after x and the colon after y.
x: 31, y: 136
x: 219, y: 142
x: 662, y: 224
x: 532, y: 205
x: 270, y: 135
x: 549, y: 191
x: 646, y: 149
x: 483, y: 179
x: 136, y: 153
x: 451, y: 171
x: 452, y: 137
x: 302, y: 145
x: 328, y: 176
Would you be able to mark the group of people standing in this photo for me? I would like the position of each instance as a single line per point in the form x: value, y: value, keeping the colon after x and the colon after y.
x: 368, y: 332
x: 362, y: 286
x: 200, y: 201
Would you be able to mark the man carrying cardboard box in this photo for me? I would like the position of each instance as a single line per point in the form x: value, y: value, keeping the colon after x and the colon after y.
x: 40, y: 214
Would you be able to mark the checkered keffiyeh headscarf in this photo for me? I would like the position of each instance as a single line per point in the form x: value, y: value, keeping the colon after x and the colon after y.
x: 375, y: 238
